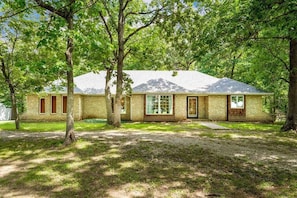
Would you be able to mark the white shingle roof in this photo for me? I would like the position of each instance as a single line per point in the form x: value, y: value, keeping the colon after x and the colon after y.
x: 227, y: 85
x: 145, y: 81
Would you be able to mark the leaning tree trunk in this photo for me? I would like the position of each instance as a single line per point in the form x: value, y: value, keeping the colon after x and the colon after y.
x: 291, y: 120
x: 70, y: 136
x: 108, y: 98
x: 120, y: 65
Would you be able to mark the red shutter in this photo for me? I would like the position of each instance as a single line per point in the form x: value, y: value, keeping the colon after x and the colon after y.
x: 42, y: 105
x: 64, y: 104
x: 54, y: 104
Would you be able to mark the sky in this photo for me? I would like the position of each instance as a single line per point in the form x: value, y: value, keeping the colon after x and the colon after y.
x: 147, y: 1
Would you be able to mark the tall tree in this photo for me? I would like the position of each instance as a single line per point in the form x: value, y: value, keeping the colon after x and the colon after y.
x: 7, y: 67
x: 21, y: 69
x: 123, y: 19
x: 275, y: 20
x: 66, y: 10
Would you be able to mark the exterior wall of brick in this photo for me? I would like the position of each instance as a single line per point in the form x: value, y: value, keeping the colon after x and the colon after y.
x: 202, y: 107
x: 209, y: 107
x: 137, y: 107
x: 217, y: 107
x: 254, y: 109
x: 33, y: 108
x: 180, y: 107
x: 94, y: 107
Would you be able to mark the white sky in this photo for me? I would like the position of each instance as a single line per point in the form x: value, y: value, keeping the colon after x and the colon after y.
x: 147, y: 1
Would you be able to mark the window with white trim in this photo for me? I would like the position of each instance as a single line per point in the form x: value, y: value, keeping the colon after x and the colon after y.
x: 159, y: 105
x: 237, y: 102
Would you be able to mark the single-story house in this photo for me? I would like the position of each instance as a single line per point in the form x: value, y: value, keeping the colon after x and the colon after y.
x: 156, y: 96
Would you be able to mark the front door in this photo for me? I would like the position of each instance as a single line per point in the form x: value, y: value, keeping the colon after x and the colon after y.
x: 192, y: 107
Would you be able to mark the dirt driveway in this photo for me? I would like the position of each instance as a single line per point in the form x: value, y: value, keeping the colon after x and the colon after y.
x: 251, y: 148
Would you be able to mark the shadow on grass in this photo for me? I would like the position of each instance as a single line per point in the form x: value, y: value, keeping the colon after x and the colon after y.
x: 121, y: 167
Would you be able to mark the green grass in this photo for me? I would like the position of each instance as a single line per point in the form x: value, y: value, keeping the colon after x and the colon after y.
x: 163, y: 126
x: 52, y: 126
x: 113, y: 167
x: 99, y: 125
x: 252, y: 126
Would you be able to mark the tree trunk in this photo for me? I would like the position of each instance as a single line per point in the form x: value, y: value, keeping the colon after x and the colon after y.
x: 70, y: 136
x: 14, y: 108
x: 108, y: 98
x: 233, y: 67
x: 291, y: 120
x: 120, y: 65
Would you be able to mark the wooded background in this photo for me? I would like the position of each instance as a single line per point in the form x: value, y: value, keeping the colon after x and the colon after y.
x: 251, y: 41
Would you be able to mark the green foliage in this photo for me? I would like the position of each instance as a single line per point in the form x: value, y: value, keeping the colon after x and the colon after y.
x: 243, y: 40
x: 26, y: 65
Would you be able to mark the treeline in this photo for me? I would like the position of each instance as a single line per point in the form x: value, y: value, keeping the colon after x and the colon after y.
x: 251, y: 41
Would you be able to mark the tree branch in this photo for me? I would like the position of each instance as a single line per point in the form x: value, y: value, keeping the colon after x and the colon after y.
x: 126, y: 4
x: 273, y: 37
x: 279, y: 58
x: 16, y: 13
x: 143, y: 27
x: 143, y: 13
x: 61, y: 12
x: 91, y: 3
x: 113, y: 23
x: 5, y: 73
x: 279, y: 16
x: 3, y: 69
x: 13, y: 47
x: 106, y: 27
x: 287, y: 81
x: 126, y: 54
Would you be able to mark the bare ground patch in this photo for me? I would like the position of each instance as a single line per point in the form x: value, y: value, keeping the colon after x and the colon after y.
x: 145, y: 164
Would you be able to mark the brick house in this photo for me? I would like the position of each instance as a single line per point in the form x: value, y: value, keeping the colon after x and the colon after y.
x: 156, y: 96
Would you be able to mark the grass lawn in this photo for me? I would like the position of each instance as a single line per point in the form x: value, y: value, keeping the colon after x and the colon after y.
x: 249, y: 126
x: 234, y: 163
x: 99, y: 125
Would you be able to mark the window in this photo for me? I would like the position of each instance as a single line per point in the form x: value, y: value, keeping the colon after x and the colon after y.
x: 159, y: 105
x: 42, y: 105
x: 54, y: 104
x: 237, y: 102
x: 64, y: 107
x: 123, y: 105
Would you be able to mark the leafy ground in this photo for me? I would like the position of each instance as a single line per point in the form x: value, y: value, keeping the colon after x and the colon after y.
x: 141, y: 161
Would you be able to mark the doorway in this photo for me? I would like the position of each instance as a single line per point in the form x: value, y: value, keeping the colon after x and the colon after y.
x: 192, y: 106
